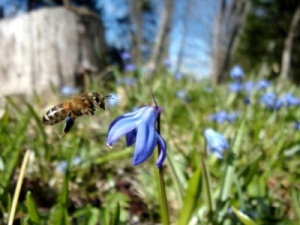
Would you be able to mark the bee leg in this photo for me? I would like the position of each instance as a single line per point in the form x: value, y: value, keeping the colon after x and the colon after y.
x: 69, y: 124
x: 91, y: 111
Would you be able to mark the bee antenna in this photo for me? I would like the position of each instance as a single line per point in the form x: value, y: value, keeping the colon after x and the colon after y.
x: 109, y: 96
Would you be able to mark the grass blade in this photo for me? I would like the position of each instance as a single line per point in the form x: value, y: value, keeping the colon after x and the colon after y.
x: 243, y: 217
x: 39, y: 125
x: 59, y: 215
x: 114, y: 155
x: 229, y: 171
x: 18, y: 188
x: 32, y: 210
x: 191, y: 198
x: 116, y: 215
x: 178, y: 177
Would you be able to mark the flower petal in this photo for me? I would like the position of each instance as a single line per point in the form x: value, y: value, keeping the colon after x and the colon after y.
x: 163, y: 150
x: 120, y: 128
x: 135, y: 115
x: 216, y: 142
x: 217, y: 152
x: 145, y: 142
x: 131, y: 137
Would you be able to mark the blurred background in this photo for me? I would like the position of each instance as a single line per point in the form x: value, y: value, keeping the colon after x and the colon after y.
x: 231, y: 65
x: 198, y: 38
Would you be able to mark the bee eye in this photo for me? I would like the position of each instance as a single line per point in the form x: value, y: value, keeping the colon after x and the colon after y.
x: 96, y: 99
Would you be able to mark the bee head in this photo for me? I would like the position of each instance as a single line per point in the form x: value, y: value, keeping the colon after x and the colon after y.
x: 98, y: 100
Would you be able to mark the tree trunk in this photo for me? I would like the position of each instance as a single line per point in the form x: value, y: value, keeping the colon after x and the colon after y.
x: 229, y: 23
x: 162, y: 35
x: 47, y: 48
x: 288, y: 46
x: 216, y: 44
x: 136, y: 33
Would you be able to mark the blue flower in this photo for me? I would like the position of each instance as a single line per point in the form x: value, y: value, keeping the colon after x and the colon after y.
x: 61, y: 167
x: 235, y: 86
x: 77, y: 160
x: 223, y: 116
x: 262, y: 84
x: 297, y: 126
x: 271, y: 101
x: 249, y: 86
x: 183, y: 95
x: 125, y: 56
x: 247, y: 100
x: 167, y: 63
x: 178, y: 76
x: 237, y: 72
x: 139, y: 128
x: 130, y: 67
x: 278, y: 104
x: 126, y: 80
x: 68, y: 90
x: 219, y: 117
x: 231, y: 117
x: 216, y: 142
x: 268, y: 99
x: 208, y: 89
x: 290, y: 99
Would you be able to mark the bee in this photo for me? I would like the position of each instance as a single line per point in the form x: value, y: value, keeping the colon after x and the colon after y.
x: 69, y: 110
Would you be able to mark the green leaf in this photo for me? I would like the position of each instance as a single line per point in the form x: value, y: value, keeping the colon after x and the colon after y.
x: 296, y: 203
x: 39, y: 124
x: 59, y: 216
x: 104, y: 216
x: 177, y: 175
x: 207, y: 187
x: 229, y: 174
x: 191, y: 198
x: 87, y: 215
x: 229, y: 171
x: 32, y: 210
x: 11, y: 154
x: 243, y: 217
x: 114, y: 155
x: 116, y: 216
x: 63, y: 198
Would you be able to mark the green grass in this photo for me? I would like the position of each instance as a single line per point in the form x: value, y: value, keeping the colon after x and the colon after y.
x: 257, y: 182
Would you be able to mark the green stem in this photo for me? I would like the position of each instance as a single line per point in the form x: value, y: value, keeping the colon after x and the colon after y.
x: 164, y: 209
x: 207, y: 184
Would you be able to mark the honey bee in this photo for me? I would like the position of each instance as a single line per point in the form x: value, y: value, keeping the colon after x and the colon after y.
x: 69, y: 110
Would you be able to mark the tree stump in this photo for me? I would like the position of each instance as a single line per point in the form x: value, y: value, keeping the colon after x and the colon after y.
x: 48, y: 48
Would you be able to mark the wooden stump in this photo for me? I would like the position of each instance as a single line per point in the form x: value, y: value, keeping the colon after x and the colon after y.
x: 48, y: 47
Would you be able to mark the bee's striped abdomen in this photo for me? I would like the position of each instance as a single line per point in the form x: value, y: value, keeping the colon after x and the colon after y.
x: 55, y: 114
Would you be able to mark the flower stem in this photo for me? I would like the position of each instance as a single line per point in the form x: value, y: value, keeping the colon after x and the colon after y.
x: 164, y: 209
